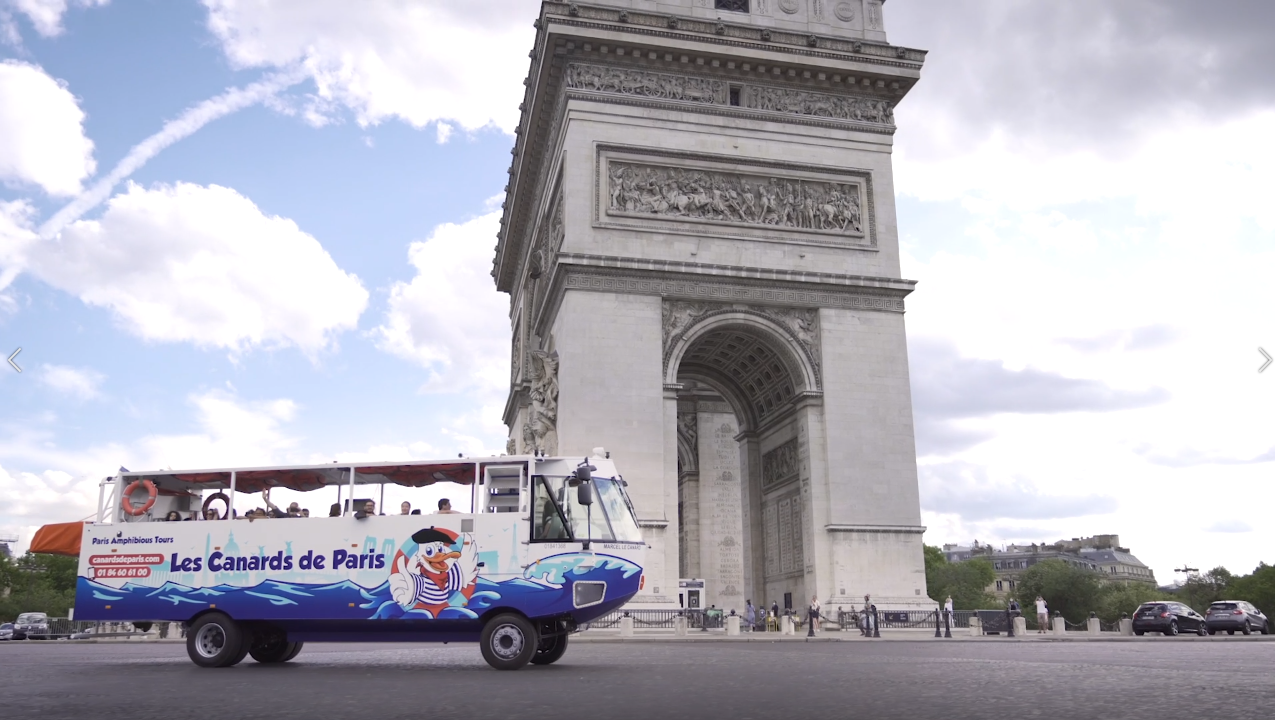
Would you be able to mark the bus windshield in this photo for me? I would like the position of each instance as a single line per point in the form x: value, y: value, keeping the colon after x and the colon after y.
x: 610, y: 517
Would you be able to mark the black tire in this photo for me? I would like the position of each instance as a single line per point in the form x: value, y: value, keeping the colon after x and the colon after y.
x: 1247, y: 629
x: 550, y: 650
x: 214, y: 640
x: 274, y: 648
x: 1138, y: 633
x: 1266, y: 628
x: 509, y: 641
x: 1230, y: 632
x: 1201, y: 630
x: 1173, y: 629
x: 1212, y: 632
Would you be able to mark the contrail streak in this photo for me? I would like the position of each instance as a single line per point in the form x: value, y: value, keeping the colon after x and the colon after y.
x: 186, y: 124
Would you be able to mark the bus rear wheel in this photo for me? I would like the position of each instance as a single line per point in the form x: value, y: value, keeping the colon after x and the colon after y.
x: 550, y: 650
x: 214, y: 640
x: 509, y: 641
x: 277, y: 650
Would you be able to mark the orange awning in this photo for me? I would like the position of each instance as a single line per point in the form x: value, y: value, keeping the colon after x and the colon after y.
x: 58, y: 539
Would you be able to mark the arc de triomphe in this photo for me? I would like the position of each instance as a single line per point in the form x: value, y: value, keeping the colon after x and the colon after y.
x: 700, y: 247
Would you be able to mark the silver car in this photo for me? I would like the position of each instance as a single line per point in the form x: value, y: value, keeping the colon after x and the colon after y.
x: 6, y: 631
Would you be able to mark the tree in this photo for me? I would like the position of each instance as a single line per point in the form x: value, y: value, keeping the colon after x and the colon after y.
x: 37, y: 583
x: 1073, y: 591
x: 1257, y: 588
x: 965, y: 581
x: 1117, y: 600
x: 1200, y: 591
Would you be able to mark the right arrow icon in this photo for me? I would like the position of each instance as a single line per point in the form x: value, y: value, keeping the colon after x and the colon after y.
x: 1268, y: 360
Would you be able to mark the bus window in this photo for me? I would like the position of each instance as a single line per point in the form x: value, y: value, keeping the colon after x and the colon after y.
x: 583, y: 522
x: 547, y: 522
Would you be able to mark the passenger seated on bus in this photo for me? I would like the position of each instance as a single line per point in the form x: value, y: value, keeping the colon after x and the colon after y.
x: 294, y: 509
x: 445, y: 507
x: 305, y: 512
x: 369, y: 509
x: 405, y: 508
x: 211, y: 514
x: 173, y: 516
x: 335, y: 510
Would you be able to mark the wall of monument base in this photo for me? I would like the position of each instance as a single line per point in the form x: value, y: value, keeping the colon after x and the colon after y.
x: 889, y: 566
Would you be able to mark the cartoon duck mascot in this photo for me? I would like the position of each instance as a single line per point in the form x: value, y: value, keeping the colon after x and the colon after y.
x: 444, y: 564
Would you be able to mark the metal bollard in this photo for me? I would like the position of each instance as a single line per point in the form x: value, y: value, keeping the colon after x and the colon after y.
x: 937, y: 624
x: 876, y: 626
x: 810, y: 622
x: 947, y: 624
x: 1009, y: 620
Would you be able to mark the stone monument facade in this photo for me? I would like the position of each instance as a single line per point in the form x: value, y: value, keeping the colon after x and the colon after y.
x: 700, y: 249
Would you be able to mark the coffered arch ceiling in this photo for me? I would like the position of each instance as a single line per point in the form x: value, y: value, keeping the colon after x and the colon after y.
x: 751, y: 370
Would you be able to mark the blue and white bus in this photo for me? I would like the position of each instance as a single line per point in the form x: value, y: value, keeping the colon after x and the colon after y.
x: 551, y: 544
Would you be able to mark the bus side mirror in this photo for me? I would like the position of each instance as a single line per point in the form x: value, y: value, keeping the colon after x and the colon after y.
x: 584, y: 494
x: 584, y: 472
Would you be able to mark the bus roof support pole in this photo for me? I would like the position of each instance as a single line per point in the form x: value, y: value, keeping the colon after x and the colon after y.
x: 101, y: 501
x: 474, y: 496
x: 381, y: 504
x: 230, y: 505
x: 351, y: 510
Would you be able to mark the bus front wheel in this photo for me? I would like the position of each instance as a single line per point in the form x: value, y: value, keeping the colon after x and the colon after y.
x: 550, y: 650
x: 214, y: 640
x: 509, y: 641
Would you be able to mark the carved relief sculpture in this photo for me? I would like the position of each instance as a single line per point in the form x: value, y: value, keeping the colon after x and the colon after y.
x: 679, y: 315
x: 800, y: 102
x: 540, y: 432
x: 627, y: 81
x: 780, y: 465
x: 707, y: 195
x: 803, y: 323
x: 844, y: 12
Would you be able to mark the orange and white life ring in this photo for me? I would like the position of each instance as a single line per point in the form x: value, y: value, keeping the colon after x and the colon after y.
x: 127, y: 501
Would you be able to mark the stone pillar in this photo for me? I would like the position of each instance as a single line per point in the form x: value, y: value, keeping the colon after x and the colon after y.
x: 787, y: 626
x: 688, y: 491
x: 1095, y: 626
x: 679, y: 625
x: 721, y: 529
x: 976, y: 626
x: 1060, y: 625
x: 1126, y: 626
x: 626, y: 626
x: 732, y: 624
x: 1020, y: 626
x: 750, y: 501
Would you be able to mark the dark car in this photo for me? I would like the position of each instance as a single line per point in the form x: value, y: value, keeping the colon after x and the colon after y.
x: 35, y: 624
x: 1232, y: 615
x: 1167, y: 617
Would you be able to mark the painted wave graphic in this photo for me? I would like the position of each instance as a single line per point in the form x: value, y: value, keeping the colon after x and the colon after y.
x: 545, y: 589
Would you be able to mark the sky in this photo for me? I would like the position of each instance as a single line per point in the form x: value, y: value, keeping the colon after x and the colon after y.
x: 240, y: 232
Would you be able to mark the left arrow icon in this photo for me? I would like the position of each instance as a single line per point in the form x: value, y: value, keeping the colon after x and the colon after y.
x: 14, y: 355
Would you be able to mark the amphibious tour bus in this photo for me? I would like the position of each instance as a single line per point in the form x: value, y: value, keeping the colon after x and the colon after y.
x: 552, y: 543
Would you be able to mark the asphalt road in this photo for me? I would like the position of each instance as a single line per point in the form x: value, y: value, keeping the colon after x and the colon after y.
x: 1158, y: 679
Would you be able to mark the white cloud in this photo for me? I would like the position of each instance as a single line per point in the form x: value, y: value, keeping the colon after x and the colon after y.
x: 203, y: 265
x: 185, y: 125
x: 449, y: 318
x: 421, y: 62
x: 80, y: 383
x: 16, y: 237
x: 42, y: 139
x: 46, y: 15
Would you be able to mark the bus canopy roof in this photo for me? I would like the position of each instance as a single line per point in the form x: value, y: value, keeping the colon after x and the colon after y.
x: 463, y: 471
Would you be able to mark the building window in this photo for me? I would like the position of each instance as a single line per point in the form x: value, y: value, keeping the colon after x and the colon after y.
x: 1011, y: 584
x: 999, y: 586
x: 734, y: 95
x: 732, y: 5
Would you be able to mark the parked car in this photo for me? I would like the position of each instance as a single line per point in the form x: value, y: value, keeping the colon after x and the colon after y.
x: 6, y: 631
x: 30, y: 624
x: 1232, y: 615
x: 1168, y: 617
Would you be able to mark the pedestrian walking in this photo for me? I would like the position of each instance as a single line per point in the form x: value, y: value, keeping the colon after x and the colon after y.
x: 750, y: 615
x: 948, y: 607
x: 1042, y: 614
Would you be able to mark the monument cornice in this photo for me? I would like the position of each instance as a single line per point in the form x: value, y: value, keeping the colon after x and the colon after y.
x: 675, y: 280
x: 887, y: 529
x: 731, y: 34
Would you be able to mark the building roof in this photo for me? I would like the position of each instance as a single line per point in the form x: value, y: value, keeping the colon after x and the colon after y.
x: 1109, y: 555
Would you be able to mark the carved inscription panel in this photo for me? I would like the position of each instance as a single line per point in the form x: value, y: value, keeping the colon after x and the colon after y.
x: 782, y: 526
x: 780, y: 465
